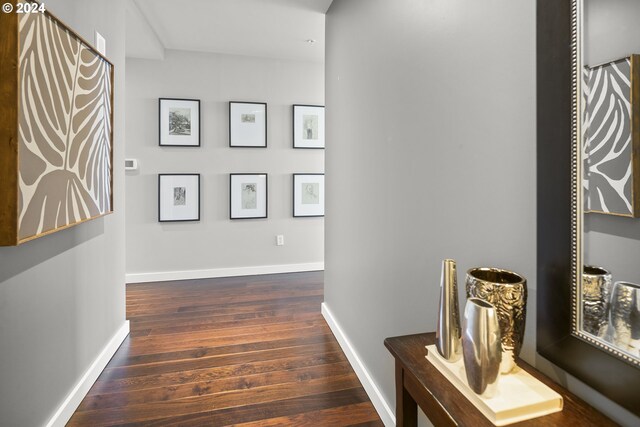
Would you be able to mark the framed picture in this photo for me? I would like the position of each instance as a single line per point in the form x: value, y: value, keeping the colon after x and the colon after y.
x: 248, y: 195
x: 179, y: 122
x: 611, y: 153
x: 247, y: 124
x: 308, y: 126
x: 308, y: 194
x: 53, y: 175
x: 178, y: 197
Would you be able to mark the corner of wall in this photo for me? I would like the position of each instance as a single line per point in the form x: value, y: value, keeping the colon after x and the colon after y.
x: 64, y: 412
x: 382, y: 406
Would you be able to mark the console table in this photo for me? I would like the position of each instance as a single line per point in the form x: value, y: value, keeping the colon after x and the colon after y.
x: 419, y: 383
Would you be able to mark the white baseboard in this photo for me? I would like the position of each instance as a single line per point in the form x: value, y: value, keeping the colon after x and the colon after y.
x: 73, y: 400
x: 384, y: 410
x: 161, y: 276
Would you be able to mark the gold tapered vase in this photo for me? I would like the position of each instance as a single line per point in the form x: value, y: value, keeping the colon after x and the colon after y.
x: 448, y: 331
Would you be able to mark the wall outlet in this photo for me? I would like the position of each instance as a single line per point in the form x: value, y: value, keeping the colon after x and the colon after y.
x: 280, y: 240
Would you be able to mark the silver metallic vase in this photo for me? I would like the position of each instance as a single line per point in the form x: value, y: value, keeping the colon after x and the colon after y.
x: 596, y: 291
x: 448, y: 329
x: 624, y: 314
x: 481, y: 346
x: 507, y: 292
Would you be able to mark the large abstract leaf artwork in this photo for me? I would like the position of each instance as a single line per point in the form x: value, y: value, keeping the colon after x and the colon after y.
x: 64, y: 128
x: 610, y: 179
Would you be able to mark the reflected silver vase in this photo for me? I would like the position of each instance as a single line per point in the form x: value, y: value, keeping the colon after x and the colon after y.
x: 482, y: 351
x: 507, y: 292
x: 448, y: 329
x: 596, y: 291
x: 624, y: 314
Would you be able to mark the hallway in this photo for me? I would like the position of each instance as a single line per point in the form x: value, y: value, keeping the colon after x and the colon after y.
x: 250, y: 351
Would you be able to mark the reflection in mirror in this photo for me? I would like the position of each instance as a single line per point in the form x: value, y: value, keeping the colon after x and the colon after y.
x: 609, y: 300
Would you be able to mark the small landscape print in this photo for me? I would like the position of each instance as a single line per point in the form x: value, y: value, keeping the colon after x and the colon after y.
x: 309, y: 126
x: 248, y: 118
x: 249, y: 196
x: 310, y: 193
x: 180, y: 121
x: 179, y: 196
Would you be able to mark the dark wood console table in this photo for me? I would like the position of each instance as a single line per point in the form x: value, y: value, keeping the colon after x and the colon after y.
x: 419, y: 383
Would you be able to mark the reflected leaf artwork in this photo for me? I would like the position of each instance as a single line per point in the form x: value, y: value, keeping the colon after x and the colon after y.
x: 610, y: 179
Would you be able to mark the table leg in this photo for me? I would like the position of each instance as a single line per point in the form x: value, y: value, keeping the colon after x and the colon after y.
x: 406, y: 407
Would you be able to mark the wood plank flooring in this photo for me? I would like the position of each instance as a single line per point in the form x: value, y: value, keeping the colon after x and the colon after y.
x: 245, y: 351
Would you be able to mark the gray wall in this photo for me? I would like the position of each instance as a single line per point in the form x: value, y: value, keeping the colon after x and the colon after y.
x: 612, y: 32
x: 431, y: 118
x: 613, y: 243
x: 215, y: 241
x: 62, y: 296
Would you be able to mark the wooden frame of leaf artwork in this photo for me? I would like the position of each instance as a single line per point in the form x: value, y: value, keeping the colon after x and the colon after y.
x: 56, y: 128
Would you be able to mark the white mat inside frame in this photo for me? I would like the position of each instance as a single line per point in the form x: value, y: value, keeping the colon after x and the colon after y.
x: 519, y: 395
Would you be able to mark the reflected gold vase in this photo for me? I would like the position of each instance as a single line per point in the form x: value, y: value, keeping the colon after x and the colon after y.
x: 507, y: 292
x: 624, y: 314
x: 596, y: 291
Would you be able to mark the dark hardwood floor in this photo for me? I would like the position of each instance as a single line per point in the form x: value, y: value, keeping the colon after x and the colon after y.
x: 246, y: 351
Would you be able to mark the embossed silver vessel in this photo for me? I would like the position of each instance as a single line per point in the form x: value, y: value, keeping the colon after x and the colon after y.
x: 624, y: 315
x: 596, y: 292
x: 507, y: 292
x: 448, y: 329
x: 481, y: 346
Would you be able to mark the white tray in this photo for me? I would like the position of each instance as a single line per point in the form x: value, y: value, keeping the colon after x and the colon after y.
x: 519, y: 396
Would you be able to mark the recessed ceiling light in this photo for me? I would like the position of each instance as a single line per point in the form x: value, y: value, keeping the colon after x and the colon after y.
x: 310, y: 41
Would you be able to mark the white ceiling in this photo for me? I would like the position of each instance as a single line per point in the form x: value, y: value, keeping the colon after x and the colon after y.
x: 262, y: 28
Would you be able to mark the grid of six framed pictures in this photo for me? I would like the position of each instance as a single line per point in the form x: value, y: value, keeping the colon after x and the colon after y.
x: 178, y: 197
x: 179, y: 194
x: 179, y: 122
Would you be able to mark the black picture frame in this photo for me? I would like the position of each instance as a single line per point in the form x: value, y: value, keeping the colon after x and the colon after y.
x: 192, y: 218
x: 298, y: 212
x: 167, y: 140
x: 235, y: 208
x: 556, y: 214
x: 261, y: 140
x: 296, y: 132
